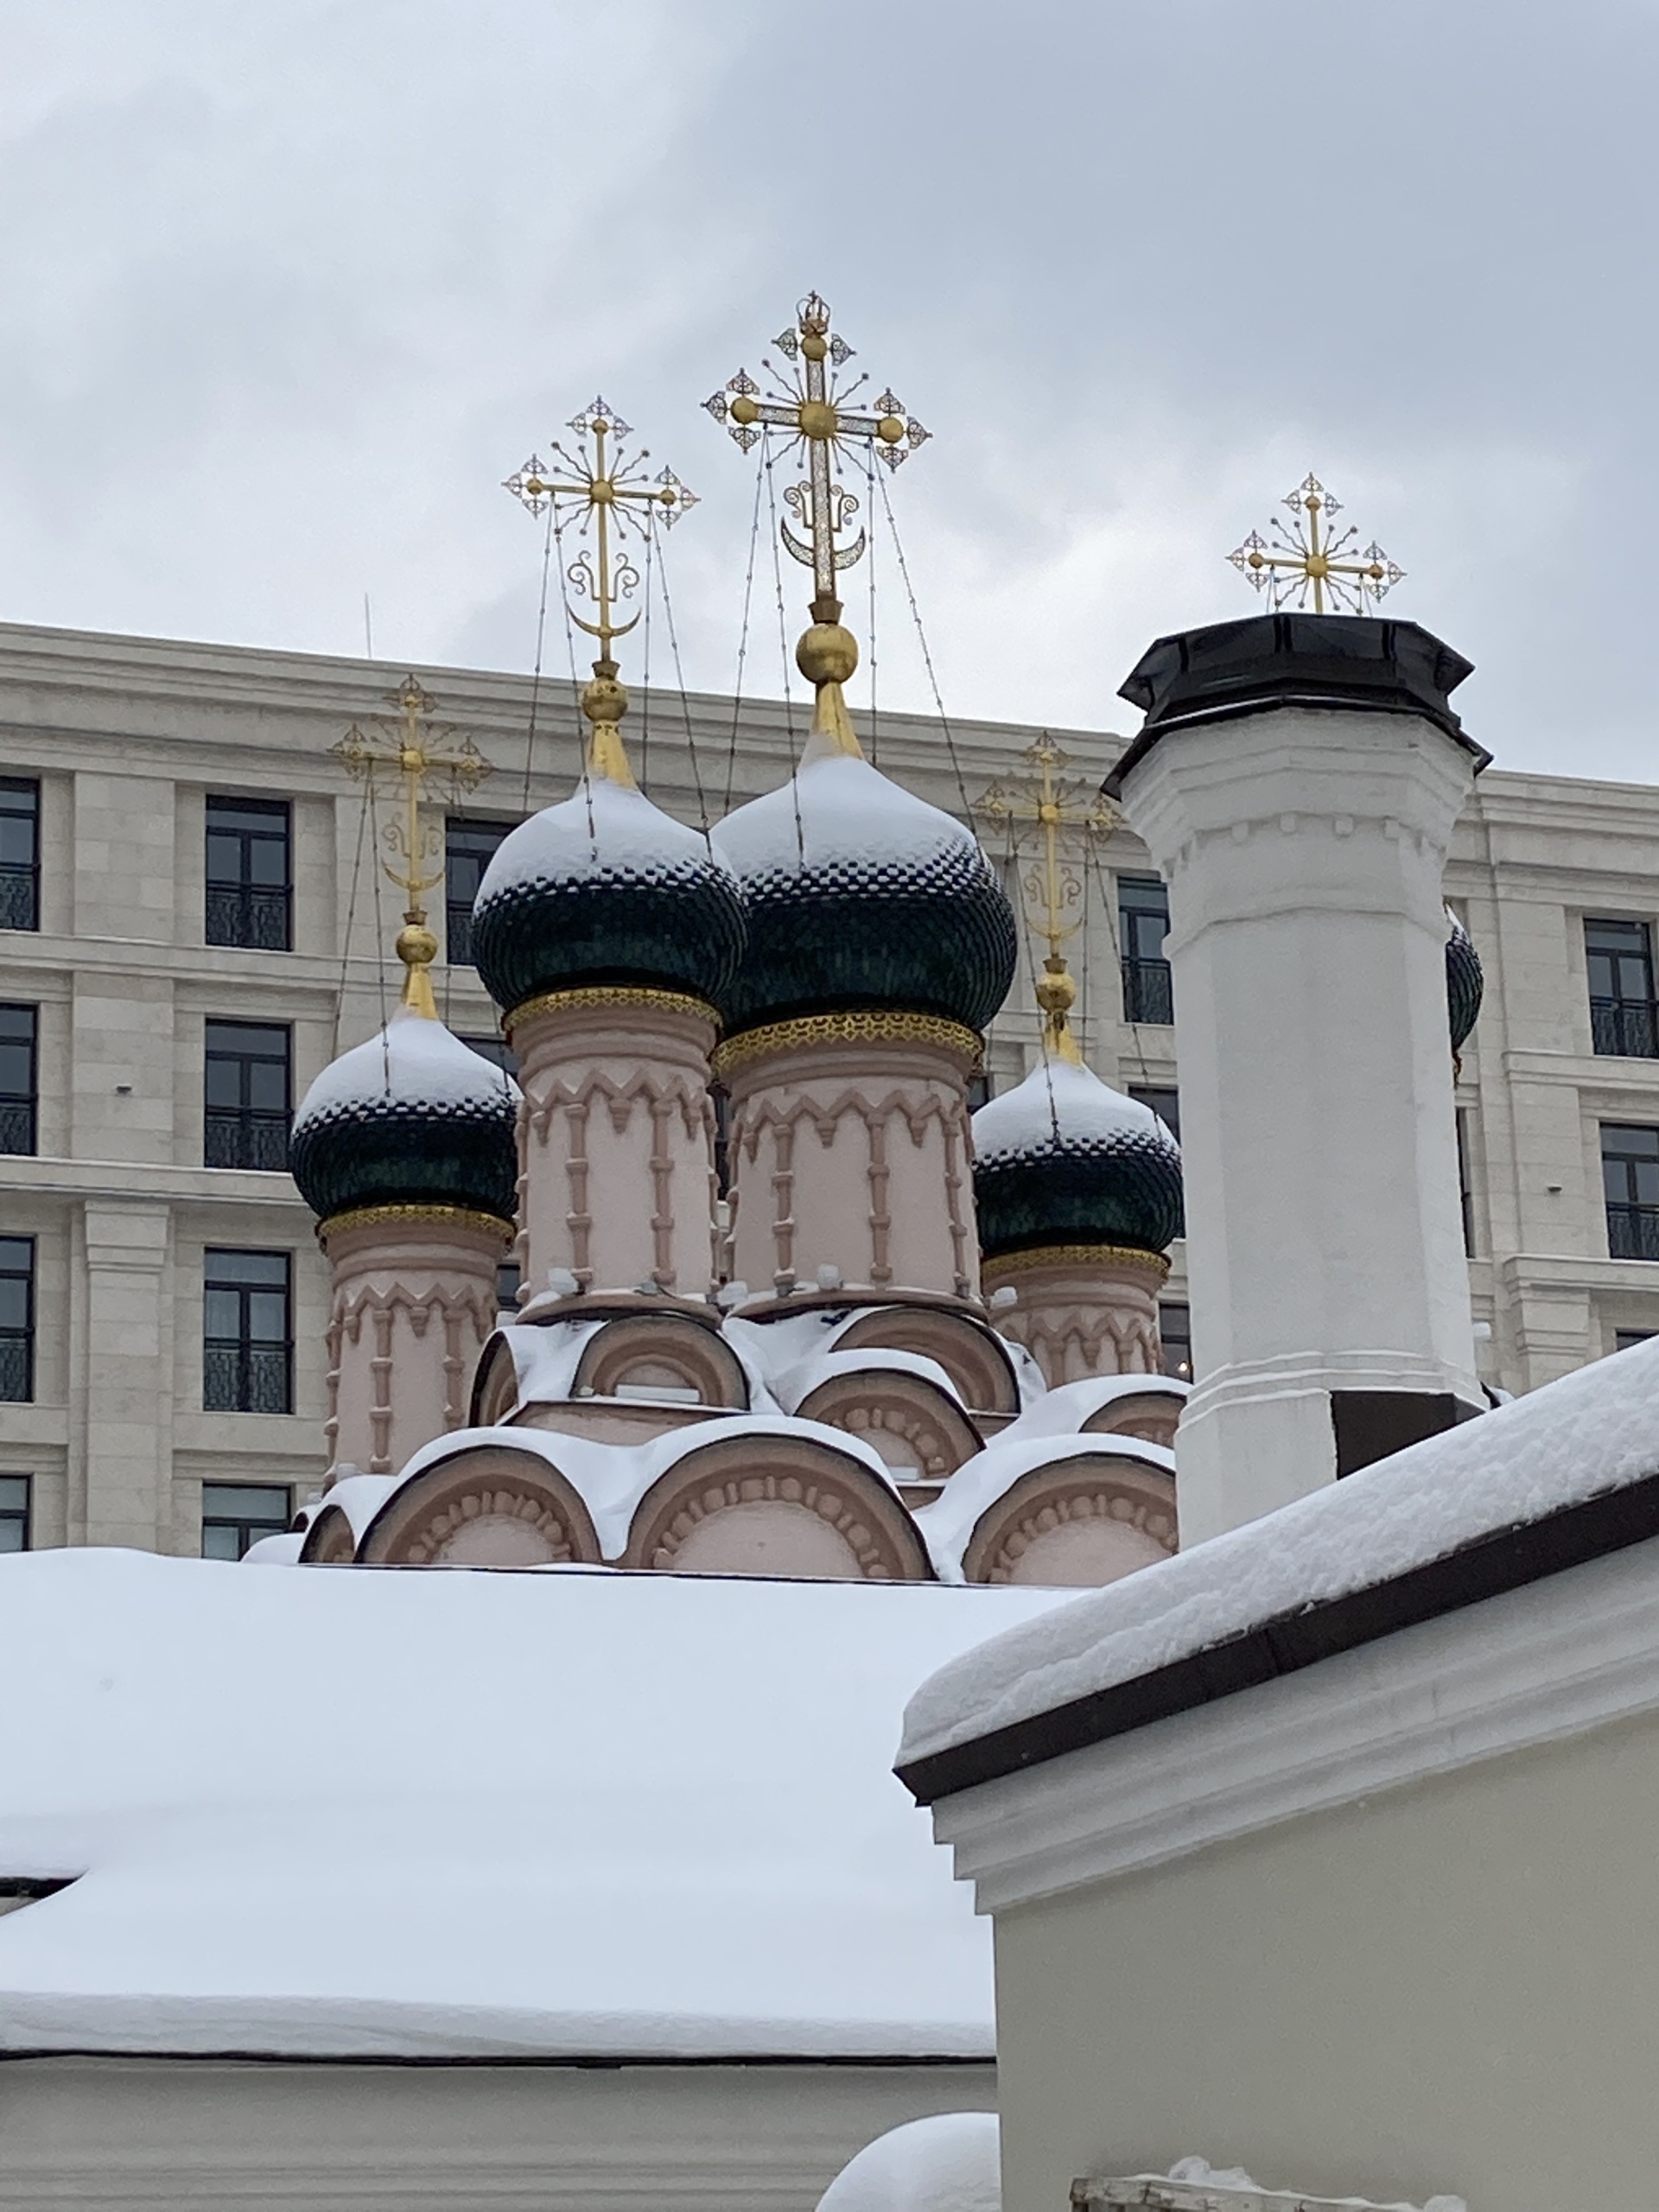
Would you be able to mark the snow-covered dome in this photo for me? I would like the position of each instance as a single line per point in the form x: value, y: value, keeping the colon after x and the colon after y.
x: 1063, y: 1158
x: 605, y: 888
x: 861, y: 895
x: 949, y: 2162
x: 1466, y: 981
x: 413, y: 1117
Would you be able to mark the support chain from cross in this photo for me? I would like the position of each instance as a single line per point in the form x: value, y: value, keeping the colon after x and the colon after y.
x: 1295, y: 562
x: 1050, y: 806
x: 810, y: 407
x: 432, y: 760
x: 619, y: 502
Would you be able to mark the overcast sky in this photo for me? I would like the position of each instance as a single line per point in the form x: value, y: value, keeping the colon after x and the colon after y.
x: 286, y: 288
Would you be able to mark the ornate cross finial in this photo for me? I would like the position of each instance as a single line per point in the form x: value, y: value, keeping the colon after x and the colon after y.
x: 810, y: 406
x: 423, y: 752
x: 1293, y: 563
x: 1042, y: 809
x: 612, y: 491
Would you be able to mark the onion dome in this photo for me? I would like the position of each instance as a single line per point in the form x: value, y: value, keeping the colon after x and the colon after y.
x: 1465, y: 983
x: 1063, y: 1158
x: 605, y: 888
x: 412, y: 1118
x: 860, y: 895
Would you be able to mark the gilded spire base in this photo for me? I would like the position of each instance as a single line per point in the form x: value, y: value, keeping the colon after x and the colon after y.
x: 605, y: 700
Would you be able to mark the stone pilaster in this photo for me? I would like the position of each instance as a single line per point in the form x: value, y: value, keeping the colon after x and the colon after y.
x: 1081, y: 1310
x: 851, y: 1152
x: 413, y: 1300
x: 616, y: 1140
x: 121, y: 1458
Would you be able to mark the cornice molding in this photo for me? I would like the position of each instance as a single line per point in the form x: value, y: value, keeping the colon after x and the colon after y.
x: 1535, y: 1666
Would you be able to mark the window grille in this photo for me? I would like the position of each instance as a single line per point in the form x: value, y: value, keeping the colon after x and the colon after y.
x: 247, y: 1095
x: 247, y: 1333
x: 19, y: 1074
x: 1143, y: 923
x: 17, y: 1319
x: 250, y: 874
x: 20, y: 854
x: 1629, y: 1176
x: 1619, y: 960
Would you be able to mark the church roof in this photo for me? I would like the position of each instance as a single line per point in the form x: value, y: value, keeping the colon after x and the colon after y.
x: 561, y: 1814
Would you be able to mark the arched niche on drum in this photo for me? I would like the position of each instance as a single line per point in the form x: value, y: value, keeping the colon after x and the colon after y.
x: 1078, y: 1523
x: 488, y: 1505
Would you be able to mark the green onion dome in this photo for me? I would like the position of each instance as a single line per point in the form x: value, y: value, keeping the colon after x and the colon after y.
x: 413, y: 1117
x: 1465, y: 983
x: 605, y: 888
x: 1063, y: 1158
x: 861, y: 895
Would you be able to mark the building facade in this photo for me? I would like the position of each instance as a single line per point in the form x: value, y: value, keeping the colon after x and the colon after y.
x: 194, y: 922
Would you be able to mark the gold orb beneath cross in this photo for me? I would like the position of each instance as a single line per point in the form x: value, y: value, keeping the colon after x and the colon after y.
x: 417, y: 946
x: 604, y: 700
x: 827, y: 653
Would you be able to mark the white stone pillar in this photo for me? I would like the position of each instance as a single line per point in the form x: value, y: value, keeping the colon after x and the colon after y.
x: 1303, y: 845
x: 851, y: 1152
x: 413, y: 1300
x: 616, y: 1140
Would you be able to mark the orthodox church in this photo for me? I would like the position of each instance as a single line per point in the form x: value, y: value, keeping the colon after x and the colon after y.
x: 910, y: 1343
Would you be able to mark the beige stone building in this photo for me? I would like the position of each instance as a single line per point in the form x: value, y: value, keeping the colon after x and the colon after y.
x: 194, y: 924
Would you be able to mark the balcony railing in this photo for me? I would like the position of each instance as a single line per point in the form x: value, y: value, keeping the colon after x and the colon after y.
x: 19, y: 896
x: 247, y: 1379
x: 1148, y: 994
x: 16, y: 1367
x: 1624, y: 1027
x: 16, y: 1125
x: 259, y: 920
x: 1633, y: 1232
x: 243, y: 1138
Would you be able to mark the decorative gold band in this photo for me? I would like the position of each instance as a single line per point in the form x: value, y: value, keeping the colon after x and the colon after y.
x: 438, y: 1217
x: 1073, y: 1255
x: 596, y: 994
x: 860, y: 1026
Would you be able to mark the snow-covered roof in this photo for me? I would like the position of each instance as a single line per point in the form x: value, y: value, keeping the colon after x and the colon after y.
x: 1595, y: 1431
x: 600, y: 830
x: 1063, y: 1412
x: 948, y: 1523
x: 835, y: 810
x: 413, y: 1061
x: 566, y: 1813
x: 949, y: 2162
x: 1059, y: 1099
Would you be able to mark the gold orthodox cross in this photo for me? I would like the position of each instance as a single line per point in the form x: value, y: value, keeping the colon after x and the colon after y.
x: 620, y: 503
x: 808, y: 405
x: 1307, y: 559
x: 1052, y: 806
x: 423, y: 753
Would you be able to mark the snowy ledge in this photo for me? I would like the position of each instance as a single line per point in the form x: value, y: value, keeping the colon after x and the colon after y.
x: 1546, y: 1483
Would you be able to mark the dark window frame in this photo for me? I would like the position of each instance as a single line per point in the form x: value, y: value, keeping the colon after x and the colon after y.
x: 245, y: 1528
x: 1180, y: 1369
x: 1165, y: 1100
x: 18, y: 1339
x: 245, y: 1133
x: 486, y: 833
x: 19, y: 876
x: 1623, y: 1008
x: 1630, y: 1182
x: 241, y: 911
x: 20, y: 1108
x: 1148, y: 989
x: 246, y: 1369
x: 16, y: 1518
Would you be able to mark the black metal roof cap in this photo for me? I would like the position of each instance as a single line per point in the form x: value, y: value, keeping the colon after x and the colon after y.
x: 1228, y: 669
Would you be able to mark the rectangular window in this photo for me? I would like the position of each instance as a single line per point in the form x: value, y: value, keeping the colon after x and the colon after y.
x: 1626, y: 1339
x: 494, y: 1049
x: 1165, y: 1104
x: 507, y: 1280
x: 13, y: 1513
x: 18, y: 1066
x: 17, y: 1319
x: 980, y: 1091
x: 249, y: 875
x: 1630, y: 1177
x: 20, y: 854
x: 247, y: 1095
x: 236, y: 1515
x: 469, y: 847
x: 1618, y: 958
x: 1143, y: 922
x: 1175, y: 1334
x: 721, y: 1099
x: 247, y: 1333
x: 1465, y: 1196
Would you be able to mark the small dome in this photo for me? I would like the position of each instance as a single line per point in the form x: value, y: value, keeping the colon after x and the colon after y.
x: 1466, y: 981
x: 605, y: 888
x: 949, y: 2162
x: 1062, y: 1158
x: 859, y: 895
x: 413, y: 1117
